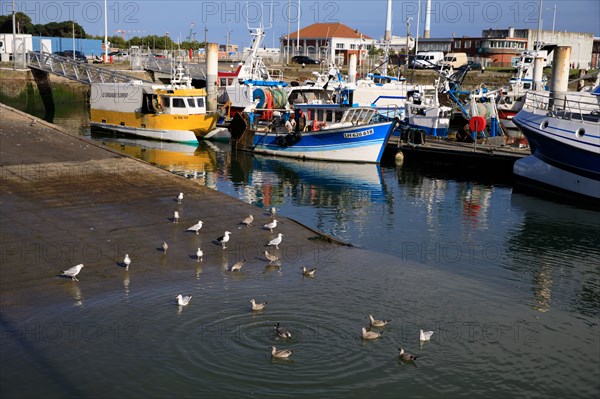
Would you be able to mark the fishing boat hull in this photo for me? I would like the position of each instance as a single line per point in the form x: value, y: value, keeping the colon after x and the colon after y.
x: 358, y: 144
x: 177, y: 128
x: 565, y: 153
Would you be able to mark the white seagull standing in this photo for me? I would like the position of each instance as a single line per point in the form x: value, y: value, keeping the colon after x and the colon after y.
x: 180, y: 198
x: 199, y: 255
x: 273, y: 211
x: 165, y: 247
x: 425, y: 335
x: 224, y: 239
x: 183, y: 300
x: 377, y: 323
x: 196, y: 227
x: 370, y: 334
x: 271, y: 225
x: 175, y: 217
x: 257, y: 305
x: 248, y: 221
x: 73, y: 271
x: 276, y: 241
x: 127, y: 261
x: 281, y: 354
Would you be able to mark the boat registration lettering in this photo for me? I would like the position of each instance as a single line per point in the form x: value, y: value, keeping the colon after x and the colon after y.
x: 115, y: 95
x: 353, y: 135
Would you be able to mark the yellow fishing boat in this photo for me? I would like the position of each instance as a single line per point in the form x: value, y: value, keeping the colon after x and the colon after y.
x: 174, y: 112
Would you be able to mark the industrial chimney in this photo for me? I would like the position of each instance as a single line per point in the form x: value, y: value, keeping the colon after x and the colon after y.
x: 427, y: 20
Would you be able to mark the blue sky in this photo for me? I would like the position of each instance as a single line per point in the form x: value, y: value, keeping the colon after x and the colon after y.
x: 464, y: 17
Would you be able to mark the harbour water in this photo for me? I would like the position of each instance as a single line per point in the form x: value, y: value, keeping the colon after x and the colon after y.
x: 509, y: 284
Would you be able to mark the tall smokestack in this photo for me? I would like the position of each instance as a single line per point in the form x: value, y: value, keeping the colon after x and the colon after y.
x: 388, y: 23
x: 427, y: 19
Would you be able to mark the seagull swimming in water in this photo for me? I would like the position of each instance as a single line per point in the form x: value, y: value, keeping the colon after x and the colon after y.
x: 406, y: 357
x: 282, y: 332
x: 196, y: 227
x: 281, y: 354
x: 257, y: 305
x: 271, y: 258
x: 180, y: 198
x: 175, y: 217
x: 199, y: 255
x: 308, y: 272
x: 224, y: 239
x: 237, y: 266
x: 377, y: 323
x: 276, y: 241
x: 425, y: 335
x: 127, y: 261
x: 248, y: 221
x: 370, y: 334
x: 270, y: 226
x: 73, y: 271
x: 165, y: 247
x: 183, y: 300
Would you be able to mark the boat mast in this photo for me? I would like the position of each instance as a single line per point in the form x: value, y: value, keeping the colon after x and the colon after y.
x: 387, y: 37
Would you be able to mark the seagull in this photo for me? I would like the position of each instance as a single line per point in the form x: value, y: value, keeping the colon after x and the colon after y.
x: 271, y: 226
x: 425, y: 335
x: 127, y: 261
x: 271, y: 258
x: 73, y: 271
x: 175, y: 217
x: 276, y: 241
x: 257, y: 306
x: 308, y: 272
x: 406, y: 357
x: 370, y: 334
x: 248, y: 221
x: 183, y: 300
x: 33, y: 121
x: 180, y: 198
x: 237, y: 266
x: 273, y: 211
x: 282, y: 332
x: 196, y: 227
x: 199, y: 255
x: 281, y: 354
x: 223, y: 239
x: 165, y: 247
x: 377, y: 323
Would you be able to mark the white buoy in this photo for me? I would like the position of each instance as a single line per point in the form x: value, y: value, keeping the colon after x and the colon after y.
x: 399, y: 158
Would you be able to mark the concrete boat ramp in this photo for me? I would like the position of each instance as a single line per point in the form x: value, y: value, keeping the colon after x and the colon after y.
x: 66, y: 200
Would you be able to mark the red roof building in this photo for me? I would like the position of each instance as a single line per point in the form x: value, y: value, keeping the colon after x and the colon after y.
x: 327, y: 42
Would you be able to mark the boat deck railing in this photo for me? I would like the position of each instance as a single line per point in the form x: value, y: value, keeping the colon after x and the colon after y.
x: 583, y: 106
x: 74, y: 70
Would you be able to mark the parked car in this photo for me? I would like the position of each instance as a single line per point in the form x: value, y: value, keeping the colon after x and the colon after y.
x: 473, y: 65
x: 427, y: 59
x: 302, y: 59
x: 79, y: 56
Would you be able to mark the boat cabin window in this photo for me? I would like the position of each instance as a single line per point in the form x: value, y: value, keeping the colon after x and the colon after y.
x: 320, y: 115
x: 329, y: 116
x: 191, y: 102
x: 178, y: 102
x: 200, y: 102
x: 348, y: 115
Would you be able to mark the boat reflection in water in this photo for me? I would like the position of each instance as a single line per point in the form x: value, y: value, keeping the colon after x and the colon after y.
x: 553, y: 262
x: 191, y: 161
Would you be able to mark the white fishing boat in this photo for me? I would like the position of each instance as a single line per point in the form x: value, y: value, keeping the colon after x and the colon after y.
x: 175, y: 112
x: 563, y: 130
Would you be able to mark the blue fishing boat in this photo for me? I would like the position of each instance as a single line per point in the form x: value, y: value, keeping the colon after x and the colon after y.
x: 332, y: 132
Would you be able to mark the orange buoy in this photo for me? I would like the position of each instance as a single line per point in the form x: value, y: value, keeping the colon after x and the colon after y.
x: 477, y: 124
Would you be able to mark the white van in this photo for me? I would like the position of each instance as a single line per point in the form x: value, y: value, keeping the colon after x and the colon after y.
x: 454, y: 60
x: 427, y: 59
